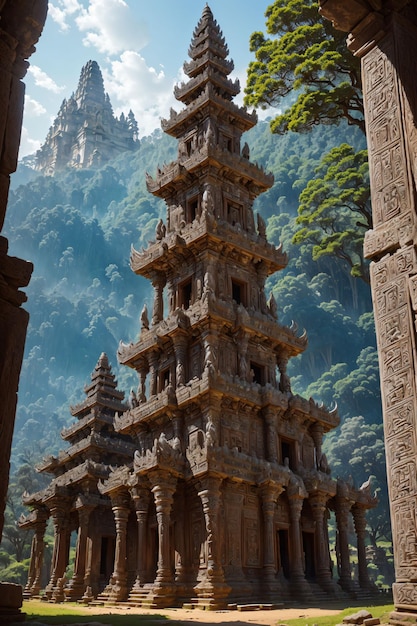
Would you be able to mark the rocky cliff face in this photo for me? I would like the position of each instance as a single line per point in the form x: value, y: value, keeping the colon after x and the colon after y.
x: 85, y: 132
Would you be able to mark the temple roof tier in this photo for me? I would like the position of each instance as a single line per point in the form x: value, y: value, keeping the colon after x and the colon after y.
x: 193, y: 68
x: 87, y: 446
x: 208, y: 160
x: 218, y: 386
x: 207, y: 103
x: 100, y: 400
x: 85, y: 424
x: 228, y: 315
x: 163, y: 256
x: 226, y: 88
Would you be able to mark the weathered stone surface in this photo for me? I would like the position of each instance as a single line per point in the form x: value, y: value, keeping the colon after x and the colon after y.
x: 385, y: 38
x: 357, y: 618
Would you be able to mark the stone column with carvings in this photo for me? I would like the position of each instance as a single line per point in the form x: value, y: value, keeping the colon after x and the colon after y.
x: 270, y: 493
x: 180, y: 341
x: 141, y: 498
x: 342, y: 509
x: 384, y: 36
x: 34, y: 582
x: 271, y: 434
x: 76, y: 587
x: 359, y: 520
x: 163, y: 489
x: 153, y: 373
x: 213, y: 586
x: 158, y: 283
x: 141, y: 391
x: 297, y: 575
x: 121, y: 509
x: 318, y: 503
x: 317, y: 435
x: 60, y: 552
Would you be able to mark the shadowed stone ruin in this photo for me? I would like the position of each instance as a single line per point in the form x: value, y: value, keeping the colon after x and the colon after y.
x: 211, y: 487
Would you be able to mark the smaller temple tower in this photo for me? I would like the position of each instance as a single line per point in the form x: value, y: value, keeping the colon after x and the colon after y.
x: 85, y: 132
x: 72, y: 498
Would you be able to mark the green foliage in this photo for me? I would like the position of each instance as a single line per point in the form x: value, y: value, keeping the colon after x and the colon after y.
x: 335, y: 212
x: 15, y: 571
x: 357, y: 449
x: 304, y: 66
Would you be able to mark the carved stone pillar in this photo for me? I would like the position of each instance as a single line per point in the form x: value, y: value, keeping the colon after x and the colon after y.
x: 213, y: 586
x: 384, y: 35
x: 141, y: 498
x: 359, y: 520
x: 297, y: 576
x: 60, y: 552
x: 210, y: 342
x: 284, y: 382
x: 158, y: 283
x: 270, y: 493
x: 180, y: 349
x: 342, y: 542
x: 34, y: 582
x: 76, y: 587
x: 120, y: 508
x: 317, y: 435
x: 271, y: 434
x: 153, y: 373
x: 323, y: 570
x: 163, y: 489
x: 21, y: 26
x: 141, y: 392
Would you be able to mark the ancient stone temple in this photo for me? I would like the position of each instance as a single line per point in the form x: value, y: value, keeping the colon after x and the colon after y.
x: 72, y: 499
x: 85, y: 132
x: 227, y: 495
x: 229, y: 485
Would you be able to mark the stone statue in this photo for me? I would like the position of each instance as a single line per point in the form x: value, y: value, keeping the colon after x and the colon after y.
x: 272, y: 306
x: 246, y: 151
x: 144, y: 319
x: 133, y: 401
x: 160, y: 231
x: 207, y: 203
x: 261, y: 226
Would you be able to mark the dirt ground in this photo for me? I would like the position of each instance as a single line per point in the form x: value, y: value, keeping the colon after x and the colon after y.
x: 233, y: 617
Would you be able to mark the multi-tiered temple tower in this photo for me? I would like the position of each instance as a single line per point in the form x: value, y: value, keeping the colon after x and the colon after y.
x: 85, y: 132
x: 228, y: 493
x: 229, y: 481
x: 72, y: 498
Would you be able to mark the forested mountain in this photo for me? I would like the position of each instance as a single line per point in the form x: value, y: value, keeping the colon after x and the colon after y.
x: 77, y: 228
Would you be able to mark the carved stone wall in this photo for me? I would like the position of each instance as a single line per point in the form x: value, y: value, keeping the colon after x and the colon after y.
x: 21, y: 23
x: 386, y: 40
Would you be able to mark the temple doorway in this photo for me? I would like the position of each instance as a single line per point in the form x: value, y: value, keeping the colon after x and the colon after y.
x: 309, y: 555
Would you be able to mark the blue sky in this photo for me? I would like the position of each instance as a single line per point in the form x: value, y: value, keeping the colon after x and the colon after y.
x: 140, y: 46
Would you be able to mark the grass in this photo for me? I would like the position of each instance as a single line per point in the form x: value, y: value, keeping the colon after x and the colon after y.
x: 71, y: 613
x: 382, y: 611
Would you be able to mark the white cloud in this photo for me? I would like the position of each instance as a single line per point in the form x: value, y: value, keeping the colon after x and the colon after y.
x: 134, y: 85
x: 61, y: 11
x: 27, y: 144
x: 33, y: 108
x: 42, y: 79
x: 110, y: 27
